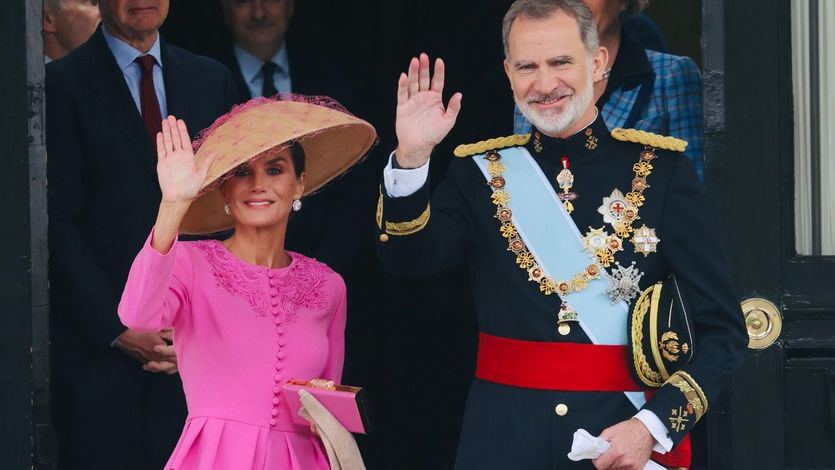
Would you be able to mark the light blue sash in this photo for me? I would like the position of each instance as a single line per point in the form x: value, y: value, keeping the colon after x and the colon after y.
x: 552, y: 237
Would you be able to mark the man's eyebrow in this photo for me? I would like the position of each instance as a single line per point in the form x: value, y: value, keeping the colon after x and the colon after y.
x: 520, y: 63
x: 561, y: 58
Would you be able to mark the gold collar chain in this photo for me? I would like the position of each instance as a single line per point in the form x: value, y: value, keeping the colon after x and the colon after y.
x: 524, y: 258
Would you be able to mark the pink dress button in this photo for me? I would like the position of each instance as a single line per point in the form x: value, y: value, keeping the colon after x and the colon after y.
x: 276, y: 389
x: 274, y: 302
x: 277, y: 377
x: 275, y: 400
x: 272, y: 422
x: 278, y: 366
x: 273, y: 292
x: 273, y: 282
x: 280, y: 355
x: 274, y: 412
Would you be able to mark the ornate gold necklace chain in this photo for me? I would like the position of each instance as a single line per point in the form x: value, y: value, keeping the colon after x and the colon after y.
x: 603, y: 252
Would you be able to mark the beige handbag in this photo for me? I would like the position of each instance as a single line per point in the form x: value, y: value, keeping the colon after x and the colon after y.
x: 340, y: 445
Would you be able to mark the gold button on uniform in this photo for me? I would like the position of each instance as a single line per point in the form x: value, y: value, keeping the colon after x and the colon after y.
x: 564, y: 329
x: 561, y: 409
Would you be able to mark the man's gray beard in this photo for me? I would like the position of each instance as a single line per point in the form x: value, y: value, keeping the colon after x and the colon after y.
x: 555, y: 122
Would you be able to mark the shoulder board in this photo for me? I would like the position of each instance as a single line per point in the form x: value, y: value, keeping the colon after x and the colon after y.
x: 649, y: 139
x: 468, y: 150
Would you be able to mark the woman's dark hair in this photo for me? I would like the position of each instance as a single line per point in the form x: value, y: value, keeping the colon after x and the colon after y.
x: 297, y: 153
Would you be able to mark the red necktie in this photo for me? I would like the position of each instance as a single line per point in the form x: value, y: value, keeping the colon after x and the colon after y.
x: 148, y: 97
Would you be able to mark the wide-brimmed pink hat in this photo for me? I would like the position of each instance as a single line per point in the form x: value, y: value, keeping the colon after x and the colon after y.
x: 333, y: 140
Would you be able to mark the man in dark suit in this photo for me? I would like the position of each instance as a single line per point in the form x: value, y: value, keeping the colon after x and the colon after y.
x: 105, y: 102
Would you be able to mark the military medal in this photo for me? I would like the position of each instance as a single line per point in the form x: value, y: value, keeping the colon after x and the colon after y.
x: 618, y: 212
x: 595, y: 239
x: 602, y: 245
x: 623, y: 283
x: 565, y: 179
x: 525, y: 259
x: 565, y: 317
x: 613, y: 208
x: 645, y: 240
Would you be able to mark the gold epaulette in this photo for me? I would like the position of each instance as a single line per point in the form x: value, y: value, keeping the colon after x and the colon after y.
x: 649, y: 139
x: 467, y: 150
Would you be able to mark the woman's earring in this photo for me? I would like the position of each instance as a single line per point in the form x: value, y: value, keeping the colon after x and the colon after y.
x: 297, y: 205
x: 227, y: 209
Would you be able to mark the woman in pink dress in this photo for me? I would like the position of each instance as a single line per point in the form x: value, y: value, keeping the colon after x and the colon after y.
x: 247, y: 314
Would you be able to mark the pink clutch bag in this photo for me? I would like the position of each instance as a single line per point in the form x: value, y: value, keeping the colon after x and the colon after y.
x: 347, y: 404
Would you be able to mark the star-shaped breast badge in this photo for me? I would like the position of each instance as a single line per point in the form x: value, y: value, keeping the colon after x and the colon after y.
x: 645, y: 240
x: 623, y: 283
x: 614, y: 208
x: 595, y: 239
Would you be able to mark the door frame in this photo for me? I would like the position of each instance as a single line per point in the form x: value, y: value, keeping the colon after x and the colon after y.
x: 747, y: 57
x: 25, y: 430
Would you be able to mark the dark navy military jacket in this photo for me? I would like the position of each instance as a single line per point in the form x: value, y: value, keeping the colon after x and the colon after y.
x: 512, y: 427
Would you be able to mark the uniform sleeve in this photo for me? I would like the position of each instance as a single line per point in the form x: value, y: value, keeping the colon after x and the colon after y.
x: 684, y: 102
x: 693, y: 252
x: 336, y: 338
x: 156, y: 294
x: 423, y: 234
x: 85, y: 289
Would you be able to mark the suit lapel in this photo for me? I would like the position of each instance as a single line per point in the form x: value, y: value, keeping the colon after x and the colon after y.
x: 109, y: 86
x: 227, y: 57
x: 177, y: 92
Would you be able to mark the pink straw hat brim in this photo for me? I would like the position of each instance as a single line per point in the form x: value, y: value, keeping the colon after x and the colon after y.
x: 333, y: 141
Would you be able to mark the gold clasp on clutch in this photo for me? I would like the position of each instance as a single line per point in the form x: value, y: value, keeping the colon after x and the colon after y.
x: 322, y: 383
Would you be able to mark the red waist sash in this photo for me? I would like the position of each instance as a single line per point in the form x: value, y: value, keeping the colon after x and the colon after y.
x: 572, y: 367
x: 554, y: 366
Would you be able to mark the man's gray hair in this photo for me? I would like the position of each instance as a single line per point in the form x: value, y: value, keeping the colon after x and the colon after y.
x: 539, y: 9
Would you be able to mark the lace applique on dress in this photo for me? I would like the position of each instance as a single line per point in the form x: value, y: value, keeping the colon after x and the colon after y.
x: 301, y: 285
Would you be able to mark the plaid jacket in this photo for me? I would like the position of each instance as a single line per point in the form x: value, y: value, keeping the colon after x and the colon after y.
x: 651, y: 91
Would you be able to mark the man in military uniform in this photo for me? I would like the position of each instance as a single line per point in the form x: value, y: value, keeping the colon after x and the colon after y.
x: 561, y: 230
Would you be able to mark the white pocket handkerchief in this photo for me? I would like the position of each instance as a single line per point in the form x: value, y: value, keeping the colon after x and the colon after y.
x: 586, y: 446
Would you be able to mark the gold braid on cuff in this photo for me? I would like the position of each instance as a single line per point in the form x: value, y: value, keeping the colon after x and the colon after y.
x: 402, y: 228
x: 691, y: 391
x: 648, y: 376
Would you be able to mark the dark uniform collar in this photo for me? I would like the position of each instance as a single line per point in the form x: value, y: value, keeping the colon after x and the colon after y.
x: 630, y: 69
x: 585, y: 142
